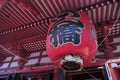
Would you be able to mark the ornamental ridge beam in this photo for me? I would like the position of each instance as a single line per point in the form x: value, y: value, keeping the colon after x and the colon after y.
x: 26, y: 26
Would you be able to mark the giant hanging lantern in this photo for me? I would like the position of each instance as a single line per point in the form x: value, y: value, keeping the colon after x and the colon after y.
x: 71, y: 40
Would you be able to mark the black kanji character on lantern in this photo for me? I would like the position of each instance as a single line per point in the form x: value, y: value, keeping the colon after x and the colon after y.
x: 66, y: 31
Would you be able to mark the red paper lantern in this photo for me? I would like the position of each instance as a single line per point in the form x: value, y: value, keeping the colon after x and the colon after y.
x: 71, y: 33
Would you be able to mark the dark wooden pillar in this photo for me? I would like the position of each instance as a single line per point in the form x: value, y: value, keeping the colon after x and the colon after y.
x: 69, y: 77
x: 55, y: 74
x: 109, y: 50
x: 21, y: 52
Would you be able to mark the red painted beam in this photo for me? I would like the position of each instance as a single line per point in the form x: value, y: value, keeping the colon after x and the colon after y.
x: 36, y: 70
x: 103, y: 56
x: 76, y: 73
x: 10, y: 68
x: 98, y: 63
x: 32, y: 70
x: 33, y: 40
x: 28, y: 71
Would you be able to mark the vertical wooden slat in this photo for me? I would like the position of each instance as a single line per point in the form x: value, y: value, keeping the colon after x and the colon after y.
x: 99, y: 14
x: 63, y: 4
x: 69, y: 6
x: 58, y: 5
x: 43, y: 8
x: 117, y: 11
x: 79, y: 4
x: 113, y: 10
x: 74, y: 5
x: 92, y: 16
